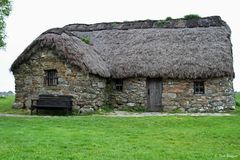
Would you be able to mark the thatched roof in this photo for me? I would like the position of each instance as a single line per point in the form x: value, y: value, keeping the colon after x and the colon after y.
x: 67, y: 47
x: 174, y: 49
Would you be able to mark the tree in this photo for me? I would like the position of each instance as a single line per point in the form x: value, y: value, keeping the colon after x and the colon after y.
x: 5, y: 8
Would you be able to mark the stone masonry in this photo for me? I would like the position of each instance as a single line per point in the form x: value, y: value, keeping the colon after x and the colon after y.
x: 179, y: 95
x: 134, y: 94
x: 88, y: 90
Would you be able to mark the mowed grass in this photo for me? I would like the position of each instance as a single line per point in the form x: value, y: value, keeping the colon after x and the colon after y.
x: 103, y: 138
x: 6, y: 103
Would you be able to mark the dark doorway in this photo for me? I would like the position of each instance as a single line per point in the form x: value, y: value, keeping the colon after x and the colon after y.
x: 154, y: 91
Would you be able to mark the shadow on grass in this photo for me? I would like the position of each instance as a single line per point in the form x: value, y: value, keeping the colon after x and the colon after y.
x: 52, y: 112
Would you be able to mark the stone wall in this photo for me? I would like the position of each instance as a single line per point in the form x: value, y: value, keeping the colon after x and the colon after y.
x: 134, y: 93
x: 88, y: 90
x: 179, y: 95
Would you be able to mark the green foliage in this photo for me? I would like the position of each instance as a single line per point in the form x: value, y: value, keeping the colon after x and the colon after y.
x: 86, y: 39
x: 5, y: 8
x: 107, y: 107
x: 114, y: 25
x: 105, y: 138
x: 168, y: 18
x: 161, y: 23
x: 237, y: 101
x: 139, y: 108
x: 191, y: 16
x: 177, y: 110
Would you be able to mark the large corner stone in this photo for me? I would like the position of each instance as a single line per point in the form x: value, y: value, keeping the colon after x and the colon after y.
x: 17, y: 105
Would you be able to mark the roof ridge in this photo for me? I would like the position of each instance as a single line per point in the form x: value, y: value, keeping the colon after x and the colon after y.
x: 144, y: 24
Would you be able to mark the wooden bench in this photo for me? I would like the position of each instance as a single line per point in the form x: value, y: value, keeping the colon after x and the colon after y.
x: 52, y: 102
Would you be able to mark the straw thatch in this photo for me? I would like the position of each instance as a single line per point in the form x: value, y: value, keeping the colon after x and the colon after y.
x: 67, y: 47
x: 195, y: 51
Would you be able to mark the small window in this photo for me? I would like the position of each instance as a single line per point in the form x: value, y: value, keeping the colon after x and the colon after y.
x: 119, y: 84
x: 51, y: 78
x: 199, y: 87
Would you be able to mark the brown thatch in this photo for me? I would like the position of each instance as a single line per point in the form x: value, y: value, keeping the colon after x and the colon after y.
x: 69, y: 48
x: 202, y: 51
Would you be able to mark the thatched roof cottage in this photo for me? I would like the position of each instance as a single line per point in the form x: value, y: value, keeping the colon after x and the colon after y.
x: 178, y: 64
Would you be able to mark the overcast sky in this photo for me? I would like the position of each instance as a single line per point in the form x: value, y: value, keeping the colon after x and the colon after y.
x: 30, y: 18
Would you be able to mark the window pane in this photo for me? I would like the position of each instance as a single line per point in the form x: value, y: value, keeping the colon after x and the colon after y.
x: 51, y: 78
x: 119, y: 84
x: 199, y: 87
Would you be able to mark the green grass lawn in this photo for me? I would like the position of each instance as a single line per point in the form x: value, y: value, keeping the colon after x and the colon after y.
x: 6, y: 106
x: 6, y: 103
x: 103, y: 138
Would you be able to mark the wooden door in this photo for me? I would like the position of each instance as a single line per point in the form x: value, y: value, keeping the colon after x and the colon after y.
x: 154, y: 90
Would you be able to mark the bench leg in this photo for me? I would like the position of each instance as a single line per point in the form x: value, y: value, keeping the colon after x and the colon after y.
x: 37, y: 111
x: 67, y: 111
x: 31, y: 111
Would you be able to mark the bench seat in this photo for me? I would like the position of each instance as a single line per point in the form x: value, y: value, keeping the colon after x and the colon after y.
x: 52, y: 102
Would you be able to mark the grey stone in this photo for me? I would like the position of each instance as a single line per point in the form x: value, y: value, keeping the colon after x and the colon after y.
x: 28, y: 103
x: 181, y: 109
x: 220, y: 108
x: 28, y: 82
x: 101, y: 85
x: 230, y: 100
x: 94, y: 84
x: 17, y: 105
x: 216, y: 103
x: 197, y: 105
x: 169, y: 108
x: 131, y: 104
x: 193, y: 110
x: 228, y: 90
x: 202, y: 110
x: 232, y: 107
x: 86, y: 110
x: 99, y: 103
x: 170, y: 95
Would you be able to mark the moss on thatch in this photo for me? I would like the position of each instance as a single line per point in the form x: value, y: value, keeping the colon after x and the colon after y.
x: 192, y: 16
